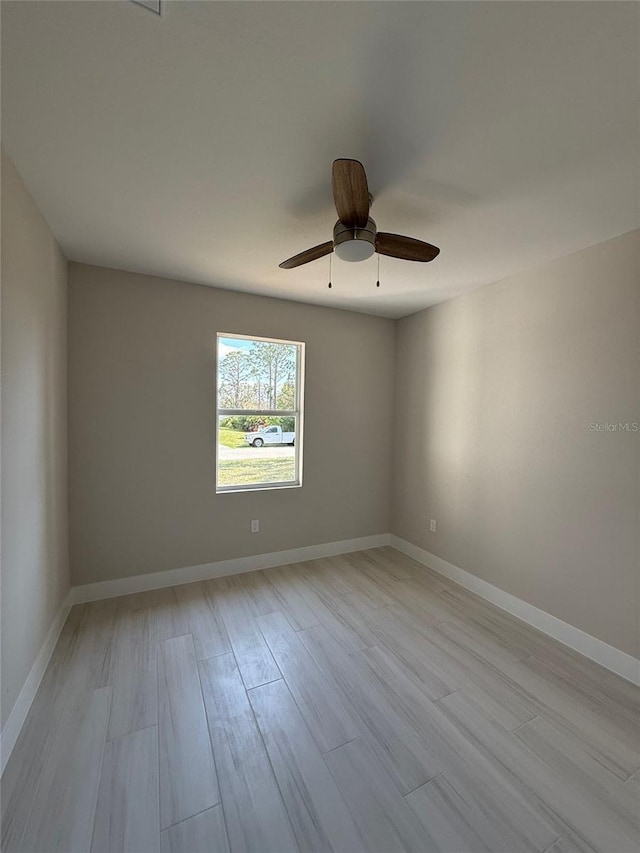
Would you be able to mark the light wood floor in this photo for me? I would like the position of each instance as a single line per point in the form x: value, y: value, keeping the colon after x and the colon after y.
x: 356, y: 703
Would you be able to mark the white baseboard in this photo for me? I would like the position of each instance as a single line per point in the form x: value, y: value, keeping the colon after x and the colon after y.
x: 597, y: 650
x: 174, y: 577
x: 19, y: 712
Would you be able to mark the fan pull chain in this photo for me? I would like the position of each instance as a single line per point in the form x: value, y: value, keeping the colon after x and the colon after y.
x: 330, y: 263
x: 378, y: 281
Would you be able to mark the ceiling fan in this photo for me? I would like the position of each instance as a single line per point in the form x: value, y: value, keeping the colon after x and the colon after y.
x: 355, y: 236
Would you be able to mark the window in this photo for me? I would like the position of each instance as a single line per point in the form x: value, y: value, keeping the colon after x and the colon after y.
x: 260, y: 386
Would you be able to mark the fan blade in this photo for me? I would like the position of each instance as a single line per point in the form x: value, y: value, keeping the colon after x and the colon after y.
x: 407, y: 248
x: 350, y: 193
x: 308, y: 255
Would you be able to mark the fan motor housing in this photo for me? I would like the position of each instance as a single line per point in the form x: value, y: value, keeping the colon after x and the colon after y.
x: 354, y: 244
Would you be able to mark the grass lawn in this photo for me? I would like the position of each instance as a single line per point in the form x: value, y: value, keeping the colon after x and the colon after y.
x: 240, y: 472
x: 231, y: 438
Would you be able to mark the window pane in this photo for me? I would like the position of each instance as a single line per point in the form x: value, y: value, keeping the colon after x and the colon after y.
x: 250, y: 453
x: 256, y: 374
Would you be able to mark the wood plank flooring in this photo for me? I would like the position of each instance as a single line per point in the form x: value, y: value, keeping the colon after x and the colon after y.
x: 355, y: 704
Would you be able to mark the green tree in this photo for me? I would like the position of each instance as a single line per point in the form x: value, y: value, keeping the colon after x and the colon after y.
x: 262, y: 377
x: 287, y: 395
x: 234, y: 378
x: 273, y: 368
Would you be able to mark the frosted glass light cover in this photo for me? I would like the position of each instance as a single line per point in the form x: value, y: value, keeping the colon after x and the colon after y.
x: 354, y: 250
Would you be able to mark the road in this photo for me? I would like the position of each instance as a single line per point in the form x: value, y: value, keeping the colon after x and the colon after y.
x: 273, y: 452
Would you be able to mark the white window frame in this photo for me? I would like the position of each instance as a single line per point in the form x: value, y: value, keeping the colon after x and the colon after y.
x: 297, y: 413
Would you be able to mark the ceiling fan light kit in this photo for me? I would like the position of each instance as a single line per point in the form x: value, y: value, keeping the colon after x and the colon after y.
x: 354, y: 244
x: 355, y: 236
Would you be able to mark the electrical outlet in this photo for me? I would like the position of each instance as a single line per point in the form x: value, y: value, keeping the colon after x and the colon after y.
x: 255, y: 526
x: 432, y: 525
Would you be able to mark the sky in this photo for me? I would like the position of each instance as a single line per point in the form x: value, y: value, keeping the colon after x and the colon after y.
x: 227, y: 345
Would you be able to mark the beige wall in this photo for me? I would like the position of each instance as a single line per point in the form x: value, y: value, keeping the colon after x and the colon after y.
x: 35, y: 566
x: 495, y: 392
x: 141, y: 426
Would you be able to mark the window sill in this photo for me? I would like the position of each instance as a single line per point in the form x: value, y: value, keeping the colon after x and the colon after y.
x: 258, y: 487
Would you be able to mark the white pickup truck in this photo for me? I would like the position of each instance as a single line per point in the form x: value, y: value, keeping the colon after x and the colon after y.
x: 269, y: 435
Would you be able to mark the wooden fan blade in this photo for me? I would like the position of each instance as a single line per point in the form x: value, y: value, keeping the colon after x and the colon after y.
x: 308, y: 255
x: 350, y: 193
x: 407, y: 248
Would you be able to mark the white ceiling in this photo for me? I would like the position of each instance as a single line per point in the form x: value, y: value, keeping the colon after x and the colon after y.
x: 198, y: 145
